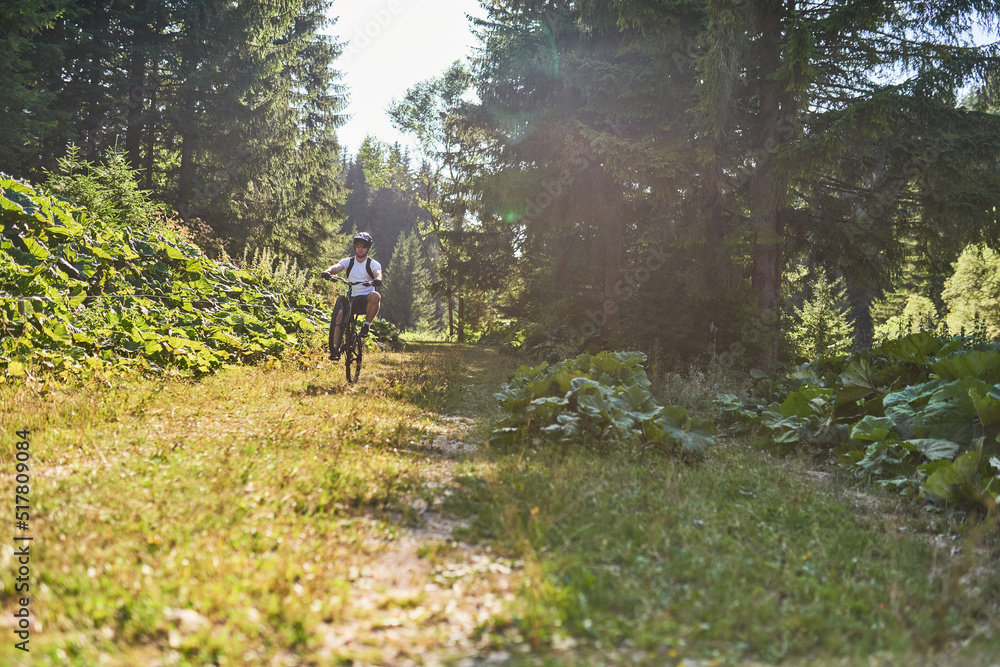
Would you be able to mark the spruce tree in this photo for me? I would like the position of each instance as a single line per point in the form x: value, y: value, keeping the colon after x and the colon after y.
x: 918, y: 314
x: 406, y: 302
x: 822, y: 325
x: 25, y: 106
x: 383, y: 200
x: 760, y: 129
x: 452, y: 160
x: 230, y: 109
x: 972, y: 293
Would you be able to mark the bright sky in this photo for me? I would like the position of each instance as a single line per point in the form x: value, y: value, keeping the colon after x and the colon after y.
x: 390, y: 45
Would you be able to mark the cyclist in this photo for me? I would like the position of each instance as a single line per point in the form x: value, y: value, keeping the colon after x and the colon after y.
x: 360, y: 268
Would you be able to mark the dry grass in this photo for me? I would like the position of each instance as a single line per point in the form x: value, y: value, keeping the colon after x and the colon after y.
x: 275, y: 515
x: 260, y: 514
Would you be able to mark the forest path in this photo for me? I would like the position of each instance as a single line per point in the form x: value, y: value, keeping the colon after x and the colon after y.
x: 425, y: 596
x: 275, y: 515
x: 264, y: 515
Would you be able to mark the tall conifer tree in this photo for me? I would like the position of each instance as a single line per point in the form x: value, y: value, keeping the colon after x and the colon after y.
x: 765, y: 130
x: 230, y: 108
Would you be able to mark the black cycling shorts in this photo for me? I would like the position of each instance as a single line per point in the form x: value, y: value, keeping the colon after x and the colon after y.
x: 359, y: 305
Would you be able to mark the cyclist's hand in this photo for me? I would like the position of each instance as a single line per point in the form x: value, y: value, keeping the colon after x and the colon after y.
x: 377, y: 283
x: 326, y: 275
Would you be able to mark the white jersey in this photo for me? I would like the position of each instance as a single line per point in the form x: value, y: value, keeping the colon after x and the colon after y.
x: 359, y: 274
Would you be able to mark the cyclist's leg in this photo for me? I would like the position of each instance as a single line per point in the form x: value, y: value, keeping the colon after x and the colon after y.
x: 372, y: 305
x: 337, y: 323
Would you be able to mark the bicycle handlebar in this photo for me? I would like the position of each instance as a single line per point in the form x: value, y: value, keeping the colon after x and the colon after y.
x: 348, y: 282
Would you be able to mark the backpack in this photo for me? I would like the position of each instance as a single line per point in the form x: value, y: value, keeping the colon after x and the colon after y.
x: 368, y: 266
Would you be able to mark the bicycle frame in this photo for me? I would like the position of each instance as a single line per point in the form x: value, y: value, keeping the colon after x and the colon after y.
x: 352, y: 344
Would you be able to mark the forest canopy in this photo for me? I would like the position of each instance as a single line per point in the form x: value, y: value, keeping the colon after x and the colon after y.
x: 662, y: 168
x: 647, y: 174
x: 229, y: 110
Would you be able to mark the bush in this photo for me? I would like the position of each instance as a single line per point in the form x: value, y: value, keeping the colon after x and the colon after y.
x: 80, y: 295
x: 919, y: 314
x: 920, y: 414
x: 110, y: 191
x: 972, y: 293
x: 284, y: 274
x: 387, y: 336
x: 596, y: 398
x: 823, y: 326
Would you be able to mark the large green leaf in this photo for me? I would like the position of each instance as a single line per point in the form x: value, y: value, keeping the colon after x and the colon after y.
x: 227, y: 339
x: 903, y: 407
x: 872, y: 429
x: 856, y: 382
x: 37, y: 249
x: 950, y: 413
x: 913, y: 395
x: 806, y: 402
x: 101, y: 252
x: 987, y: 407
x: 886, y: 457
x: 934, y: 450
x: 954, y: 481
x: 983, y: 365
x: 917, y: 348
x: 9, y: 204
x: 15, y: 197
x: 170, y: 252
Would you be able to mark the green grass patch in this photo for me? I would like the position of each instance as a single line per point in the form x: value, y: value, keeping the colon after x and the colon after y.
x: 738, y: 558
x: 223, y: 520
x: 638, y: 557
x: 231, y: 520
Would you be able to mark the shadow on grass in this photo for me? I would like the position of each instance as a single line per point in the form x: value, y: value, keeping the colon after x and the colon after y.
x: 326, y: 388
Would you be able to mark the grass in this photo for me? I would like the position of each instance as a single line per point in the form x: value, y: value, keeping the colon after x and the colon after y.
x: 246, y: 498
x: 738, y: 558
x: 243, y: 519
x: 744, y: 557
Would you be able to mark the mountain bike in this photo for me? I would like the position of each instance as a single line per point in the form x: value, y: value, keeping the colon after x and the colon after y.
x: 352, y: 347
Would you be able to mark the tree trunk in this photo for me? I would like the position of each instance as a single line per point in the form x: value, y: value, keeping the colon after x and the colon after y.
x: 766, y: 278
x: 612, y: 211
x: 715, y: 232
x: 150, y: 127
x: 451, y: 316
x: 184, y: 180
x: 860, y: 297
x: 136, y: 82
x: 769, y: 190
x: 133, y: 127
x: 461, y: 319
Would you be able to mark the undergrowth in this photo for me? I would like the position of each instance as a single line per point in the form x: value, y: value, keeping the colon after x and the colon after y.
x: 751, y: 555
x: 216, y: 521
x: 252, y: 498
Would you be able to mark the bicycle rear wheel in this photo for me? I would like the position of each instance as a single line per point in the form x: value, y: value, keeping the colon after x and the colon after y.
x: 359, y: 348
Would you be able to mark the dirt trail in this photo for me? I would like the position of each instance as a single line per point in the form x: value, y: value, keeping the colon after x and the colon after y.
x: 424, y: 597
